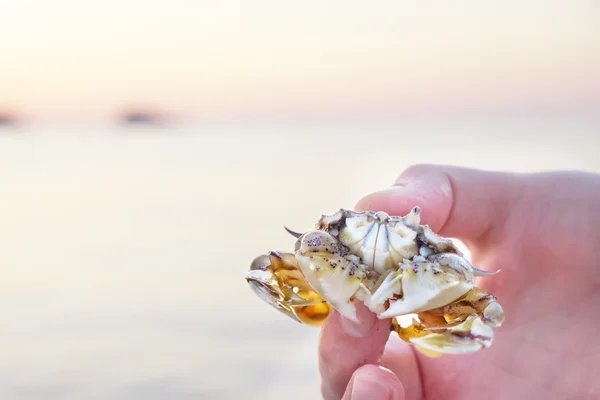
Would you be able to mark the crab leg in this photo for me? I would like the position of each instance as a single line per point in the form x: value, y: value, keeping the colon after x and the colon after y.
x: 276, y: 279
x: 463, y: 326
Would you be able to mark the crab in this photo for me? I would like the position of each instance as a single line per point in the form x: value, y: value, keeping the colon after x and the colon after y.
x: 395, y: 266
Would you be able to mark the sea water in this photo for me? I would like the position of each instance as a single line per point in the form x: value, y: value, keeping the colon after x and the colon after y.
x: 123, y: 249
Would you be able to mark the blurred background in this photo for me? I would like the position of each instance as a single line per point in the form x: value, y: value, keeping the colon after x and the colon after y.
x: 149, y: 150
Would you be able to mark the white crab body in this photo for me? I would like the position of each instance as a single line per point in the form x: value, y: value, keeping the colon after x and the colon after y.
x: 396, y: 266
x: 378, y: 259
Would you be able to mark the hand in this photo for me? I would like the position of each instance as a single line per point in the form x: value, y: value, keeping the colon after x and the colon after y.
x: 543, y: 231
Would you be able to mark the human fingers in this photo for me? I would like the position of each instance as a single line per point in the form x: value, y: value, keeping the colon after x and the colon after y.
x: 400, y: 358
x: 371, y: 382
x: 464, y: 203
x: 345, y: 346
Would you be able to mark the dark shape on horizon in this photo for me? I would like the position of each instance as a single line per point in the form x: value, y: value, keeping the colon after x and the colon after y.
x: 141, y: 118
x: 7, y: 119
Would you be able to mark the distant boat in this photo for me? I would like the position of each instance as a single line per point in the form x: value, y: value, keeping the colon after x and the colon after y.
x: 7, y: 120
x: 141, y: 118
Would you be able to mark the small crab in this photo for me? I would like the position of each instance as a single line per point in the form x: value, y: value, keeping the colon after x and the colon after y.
x: 395, y: 266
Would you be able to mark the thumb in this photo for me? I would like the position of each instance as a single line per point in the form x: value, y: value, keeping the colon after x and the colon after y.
x: 371, y: 382
x: 467, y: 204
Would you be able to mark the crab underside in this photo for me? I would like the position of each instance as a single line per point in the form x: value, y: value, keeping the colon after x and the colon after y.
x: 395, y: 266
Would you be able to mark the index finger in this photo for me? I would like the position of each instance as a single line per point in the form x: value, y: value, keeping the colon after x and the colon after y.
x: 345, y: 346
x: 463, y: 203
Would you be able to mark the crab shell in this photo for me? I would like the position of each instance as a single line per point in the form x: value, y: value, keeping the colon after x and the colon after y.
x: 395, y: 266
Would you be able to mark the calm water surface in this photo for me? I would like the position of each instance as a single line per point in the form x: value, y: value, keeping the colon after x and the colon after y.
x: 122, y: 251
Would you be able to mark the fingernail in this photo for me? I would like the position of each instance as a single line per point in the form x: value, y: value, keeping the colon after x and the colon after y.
x: 360, y: 329
x: 364, y: 388
x: 435, y: 187
x: 414, y: 191
x: 410, y: 187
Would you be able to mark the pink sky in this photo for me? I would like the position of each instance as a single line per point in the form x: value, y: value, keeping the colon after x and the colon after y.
x: 69, y: 59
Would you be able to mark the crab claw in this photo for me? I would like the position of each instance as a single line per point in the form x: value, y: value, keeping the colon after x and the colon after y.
x: 336, y: 275
x: 461, y: 327
x: 468, y: 336
x: 276, y: 279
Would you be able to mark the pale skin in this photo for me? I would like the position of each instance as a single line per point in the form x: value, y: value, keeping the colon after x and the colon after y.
x: 543, y: 231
